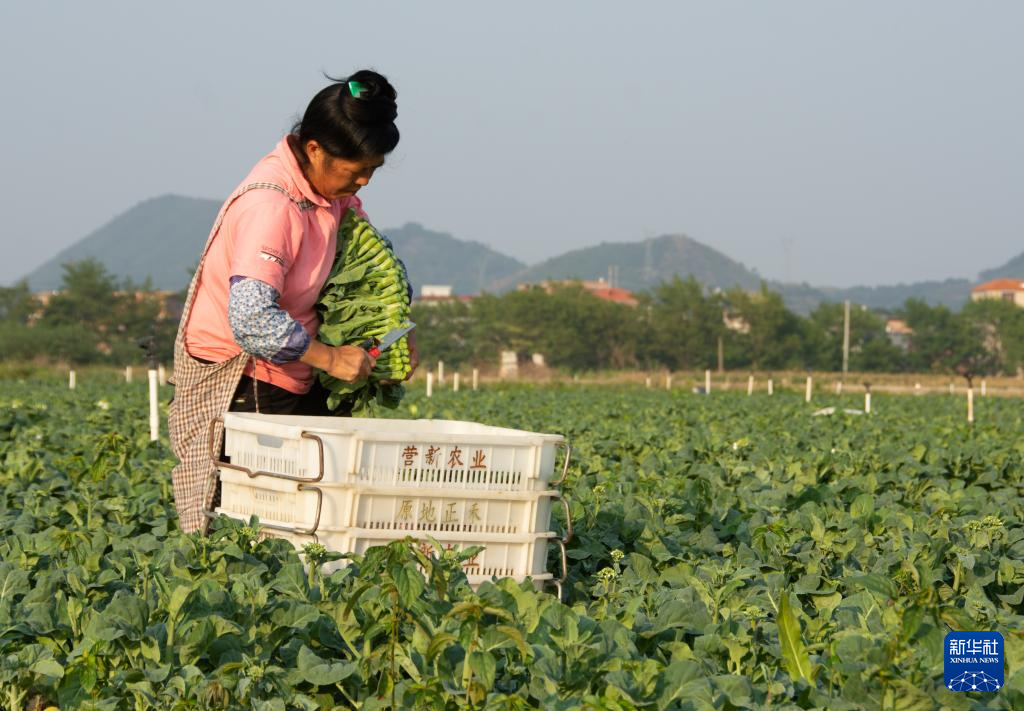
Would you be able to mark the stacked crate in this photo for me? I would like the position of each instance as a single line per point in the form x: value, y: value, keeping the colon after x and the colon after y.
x: 352, y: 483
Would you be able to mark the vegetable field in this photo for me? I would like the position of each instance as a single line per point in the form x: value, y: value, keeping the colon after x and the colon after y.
x: 729, y: 552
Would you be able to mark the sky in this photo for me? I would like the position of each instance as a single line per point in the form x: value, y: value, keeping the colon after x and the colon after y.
x: 837, y: 143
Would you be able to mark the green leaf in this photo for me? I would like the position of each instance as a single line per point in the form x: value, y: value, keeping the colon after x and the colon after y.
x: 825, y: 604
x: 48, y: 667
x: 875, y: 583
x: 319, y: 671
x: 295, y: 615
x: 409, y: 582
x: 291, y: 580
x: 794, y: 654
x: 862, y: 506
x: 908, y: 697
x: 517, y: 638
x: 438, y: 643
x: 484, y: 667
x: 13, y: 581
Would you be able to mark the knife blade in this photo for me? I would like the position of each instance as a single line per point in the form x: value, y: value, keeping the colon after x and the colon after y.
x: 376, y: 346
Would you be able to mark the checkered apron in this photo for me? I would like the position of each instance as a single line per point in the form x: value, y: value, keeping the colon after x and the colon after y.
x: 203, y: 393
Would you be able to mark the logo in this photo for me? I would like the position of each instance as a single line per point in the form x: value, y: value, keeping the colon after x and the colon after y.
x: 271, y: 254
x: 974, y: 661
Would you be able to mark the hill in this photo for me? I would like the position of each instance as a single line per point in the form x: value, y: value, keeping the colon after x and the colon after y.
x: 438, y: 258
x: 802, y: 298
x: 641, y: 265
x: 161, y: 239
x: 1013, y: 269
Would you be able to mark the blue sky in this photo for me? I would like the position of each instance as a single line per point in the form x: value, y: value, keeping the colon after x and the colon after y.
x: 837, y: 143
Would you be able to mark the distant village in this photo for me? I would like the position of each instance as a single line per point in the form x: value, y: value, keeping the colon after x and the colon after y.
x: 899, y: 333
x: 675, y: 325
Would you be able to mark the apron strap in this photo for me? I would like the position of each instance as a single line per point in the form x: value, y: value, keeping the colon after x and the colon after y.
x: 202, y: 394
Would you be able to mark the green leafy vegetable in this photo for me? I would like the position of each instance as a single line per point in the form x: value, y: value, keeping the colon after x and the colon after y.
x: 365, y: 297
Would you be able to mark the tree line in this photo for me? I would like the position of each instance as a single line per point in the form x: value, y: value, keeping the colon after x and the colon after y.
x: 678, y: 325
x: 93, y: 318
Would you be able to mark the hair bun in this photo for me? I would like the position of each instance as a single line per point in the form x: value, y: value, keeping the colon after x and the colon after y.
x: 352, y: 118
x: 376, y: 105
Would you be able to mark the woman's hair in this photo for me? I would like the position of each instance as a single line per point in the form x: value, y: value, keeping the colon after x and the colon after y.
x: 353, y: 118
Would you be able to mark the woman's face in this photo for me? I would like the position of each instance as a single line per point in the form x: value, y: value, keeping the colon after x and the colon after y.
x: 336, y: 178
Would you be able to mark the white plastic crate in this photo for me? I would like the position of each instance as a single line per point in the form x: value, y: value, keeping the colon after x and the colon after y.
x: 442, y: 454
x: 353, y: 483
x: 406, y: 510
x: 516, y: 556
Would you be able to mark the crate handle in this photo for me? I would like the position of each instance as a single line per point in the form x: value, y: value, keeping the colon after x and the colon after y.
x: 568, y: 519
x: 565, y: 465
x: 291, y: 529
x: 274, y: 475
x: 558, y: 582
x: 305, y: 483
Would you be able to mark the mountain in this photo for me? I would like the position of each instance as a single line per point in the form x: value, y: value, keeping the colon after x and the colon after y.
x: 641, y: 265
x: 438, y: 258
x: 803, y: 298
x: 1013, y: 269
x: 161, y: 239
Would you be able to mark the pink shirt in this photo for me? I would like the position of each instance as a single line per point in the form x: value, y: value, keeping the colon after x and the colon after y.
x: 267, y: 236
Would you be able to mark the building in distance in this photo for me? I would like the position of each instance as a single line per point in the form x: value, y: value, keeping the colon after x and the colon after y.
x: 899, y: 332
x: 431, y: 294
x: 1011, y: 290
x: 599, y: 288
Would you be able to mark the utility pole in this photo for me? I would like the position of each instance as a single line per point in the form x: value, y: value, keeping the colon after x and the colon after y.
x: 846, y: 337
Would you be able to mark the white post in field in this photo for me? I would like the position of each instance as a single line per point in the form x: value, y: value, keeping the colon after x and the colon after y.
x: 867, y: 402
x: 750, y: 385
x: 917, y: 388
x: 455, y: 382
x: 127, y: 373
x: 707, y: 382
x: 839, y: 387
x: 846, y: 337
x: 810, y: 389
x: 154, y: 406
x: 983, y: 388
x: 476, y: 378
x: 430, y: 384
x: 668, y: 381
x: 647, y: 382
x: 72, y: 381
x: 440, y: 373
x: 162, y: 374
x: 970, y: 403
x: 771, y: 386
x: 951, y: 388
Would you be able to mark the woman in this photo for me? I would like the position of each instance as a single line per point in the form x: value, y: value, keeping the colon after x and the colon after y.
x: 247, y: 337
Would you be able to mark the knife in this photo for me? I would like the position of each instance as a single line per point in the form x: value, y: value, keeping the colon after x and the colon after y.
x: 376, y: 346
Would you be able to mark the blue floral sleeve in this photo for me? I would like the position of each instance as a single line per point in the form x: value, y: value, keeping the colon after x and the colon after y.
x: 260, y: 326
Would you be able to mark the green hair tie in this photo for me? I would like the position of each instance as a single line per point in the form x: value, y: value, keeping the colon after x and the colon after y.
x: 358, y: 88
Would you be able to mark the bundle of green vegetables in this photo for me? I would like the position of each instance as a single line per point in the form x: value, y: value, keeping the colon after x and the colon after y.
x: 366, y: 296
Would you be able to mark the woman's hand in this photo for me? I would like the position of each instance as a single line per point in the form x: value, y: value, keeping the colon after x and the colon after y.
x: 348, y: 363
